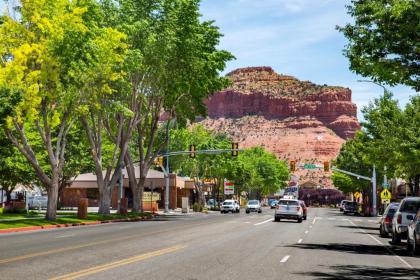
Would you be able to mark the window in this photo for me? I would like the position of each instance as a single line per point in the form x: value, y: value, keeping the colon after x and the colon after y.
x: 92, y: 194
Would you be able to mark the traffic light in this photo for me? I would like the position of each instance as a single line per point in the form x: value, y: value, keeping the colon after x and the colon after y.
x: 235, y: 151
x: 192, y: 151
x: 326, y: 166
x: 292, y: 165
x: 159, y: 161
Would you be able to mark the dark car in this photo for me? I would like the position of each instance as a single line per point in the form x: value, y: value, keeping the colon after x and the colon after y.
x: 385, y: 227
x: 413, y: 235
x: 304, y: 208
x: 351, y: 207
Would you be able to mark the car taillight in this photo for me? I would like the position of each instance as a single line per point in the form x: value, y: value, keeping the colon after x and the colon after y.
x: 387, y: 220
x: 399, y: 219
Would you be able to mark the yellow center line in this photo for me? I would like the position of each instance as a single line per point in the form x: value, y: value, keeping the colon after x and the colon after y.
x: 60, y: 250
x: 115, y: 264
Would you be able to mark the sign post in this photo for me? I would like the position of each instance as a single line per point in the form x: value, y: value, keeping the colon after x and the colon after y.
x: 229, y: 188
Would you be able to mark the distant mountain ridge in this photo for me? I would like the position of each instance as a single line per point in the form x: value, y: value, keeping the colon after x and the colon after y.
x: 296, y: 120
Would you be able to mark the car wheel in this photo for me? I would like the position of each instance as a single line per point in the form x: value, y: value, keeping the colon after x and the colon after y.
x: 415, y: 245
x: 382, y: 233
x: 299, y: 220
x: 276, y: 219
x: 304, y: 217
x: 247, y: 211
x: 344, y: 213
x: 396, y: 239
x: 409, y: 246
x: 259, y: 211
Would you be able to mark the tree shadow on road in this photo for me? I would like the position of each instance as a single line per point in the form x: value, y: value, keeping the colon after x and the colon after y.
x: 346, y: 247
x: 376, y: 228
x: 359, y: 272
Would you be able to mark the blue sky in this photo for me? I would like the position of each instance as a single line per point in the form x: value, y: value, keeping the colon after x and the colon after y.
x: 295, y: 37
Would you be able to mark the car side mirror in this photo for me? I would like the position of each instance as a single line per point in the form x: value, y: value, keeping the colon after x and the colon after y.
x: 410, y: 217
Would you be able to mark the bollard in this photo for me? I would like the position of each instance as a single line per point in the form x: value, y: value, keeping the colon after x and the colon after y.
x: 123, y: 206
x: 82, y: 209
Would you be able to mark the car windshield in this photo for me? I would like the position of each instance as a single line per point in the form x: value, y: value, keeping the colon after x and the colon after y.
x: 288, y: 202
x: 350, y: 203
x: 391, y: 211
x: 253, y: 202
x: 227, y: 203
x: 410, y: 206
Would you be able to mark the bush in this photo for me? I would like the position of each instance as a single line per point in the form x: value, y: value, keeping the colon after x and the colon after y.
x: 14, y: 211
x: 197, y: 207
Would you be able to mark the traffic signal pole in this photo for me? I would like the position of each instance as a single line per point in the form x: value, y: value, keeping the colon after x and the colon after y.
x: 371, y: 179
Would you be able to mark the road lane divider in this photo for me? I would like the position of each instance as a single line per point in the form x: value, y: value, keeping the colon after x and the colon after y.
x: 100, y: 268
x: 300, y: 240
x: 263, y: 222
x: 306, y: 232
x: 284, y: 259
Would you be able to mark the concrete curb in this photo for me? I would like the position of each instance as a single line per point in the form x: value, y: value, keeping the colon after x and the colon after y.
x: 31, y: 228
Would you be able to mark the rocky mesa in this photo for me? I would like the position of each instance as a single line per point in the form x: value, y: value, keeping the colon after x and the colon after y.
x: 296, y: 120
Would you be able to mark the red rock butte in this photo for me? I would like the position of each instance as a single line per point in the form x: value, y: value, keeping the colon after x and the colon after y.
x: 296, y: 120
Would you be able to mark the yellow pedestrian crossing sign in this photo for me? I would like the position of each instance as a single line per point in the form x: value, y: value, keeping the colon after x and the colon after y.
x: 385, y: 194
x: 357, y: 195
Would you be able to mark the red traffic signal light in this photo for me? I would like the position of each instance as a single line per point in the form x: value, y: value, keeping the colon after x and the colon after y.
x: 292, y: 165
x: 326, y: 166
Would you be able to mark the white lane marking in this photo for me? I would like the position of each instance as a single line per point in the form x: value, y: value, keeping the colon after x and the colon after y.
x: 300, y: 240
x: 373, y: 221
x: 247, y: 222
x: 313, y: 222
x: 310, y: 226
x: 344, y: 219
x: 284, y: 259
x: 386, y: 247
x: 64, y: 236
x: 263, y: 222
x: 331, y: 219
x: 306, y: 232
x: 358, y: 220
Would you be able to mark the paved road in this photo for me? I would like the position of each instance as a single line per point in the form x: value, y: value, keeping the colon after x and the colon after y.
x: 232, y: 246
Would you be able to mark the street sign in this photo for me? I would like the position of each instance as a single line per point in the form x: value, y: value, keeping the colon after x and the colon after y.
x: 229, y: 187
x: 384, y: 201
x: 386, y: 185
x: 309, y: 166
x: 385, y: 194
x: 357, y: 195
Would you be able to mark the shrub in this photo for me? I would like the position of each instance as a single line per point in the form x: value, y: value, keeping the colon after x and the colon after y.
x: 197, y: 207
x: 14, y: 211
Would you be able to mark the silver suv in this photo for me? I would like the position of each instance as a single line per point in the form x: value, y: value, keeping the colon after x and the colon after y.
x: 253, y: 206
x: 229, y: 205
x: 288, y: 209
x: 403, y: 217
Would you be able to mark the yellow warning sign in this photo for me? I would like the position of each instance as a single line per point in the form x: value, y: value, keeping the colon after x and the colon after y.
x: 357, y: 195
x: 385, y: 194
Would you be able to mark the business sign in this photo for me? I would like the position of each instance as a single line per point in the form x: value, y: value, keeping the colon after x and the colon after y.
x: 147, y: 196
x: 229, y: 187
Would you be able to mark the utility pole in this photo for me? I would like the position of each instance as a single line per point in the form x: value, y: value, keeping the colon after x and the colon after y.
x: 374, y: 191
x: 166, y: 173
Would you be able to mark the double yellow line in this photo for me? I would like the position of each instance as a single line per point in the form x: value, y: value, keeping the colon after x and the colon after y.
x: 115, y: 264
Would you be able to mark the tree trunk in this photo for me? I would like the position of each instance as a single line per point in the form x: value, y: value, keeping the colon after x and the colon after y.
x: 416, y: 185
x: 52, y: 201
x: 104, y: 200
x: 8, y: 195
x: 411, y: 185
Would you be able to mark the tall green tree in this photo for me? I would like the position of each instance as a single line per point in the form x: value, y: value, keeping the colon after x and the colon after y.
x: 172, y: 65
x: 384, y: 40
x: 39, y: 52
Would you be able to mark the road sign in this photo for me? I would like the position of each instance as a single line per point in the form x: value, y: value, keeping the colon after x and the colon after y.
x: 385, y: 194
x: 386, y: 185
x: 384, y: 201
x: 357, y: 195
x: 229, y: 187
x: 309, y: 166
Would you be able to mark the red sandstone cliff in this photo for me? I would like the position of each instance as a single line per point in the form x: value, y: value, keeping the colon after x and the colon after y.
x: 294, y: 119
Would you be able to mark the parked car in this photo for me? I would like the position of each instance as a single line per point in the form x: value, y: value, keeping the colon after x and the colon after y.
x: 288, y: 209
x: 403, y: 217
x: 273, y: 204
x: 38, y: 201
x: 253, y: 206
x: 229, y: 205
x: 350, y: 207
x: 413, y: 235
x: 385, y: 227
x: 342, y: 205
x: 304, y: 209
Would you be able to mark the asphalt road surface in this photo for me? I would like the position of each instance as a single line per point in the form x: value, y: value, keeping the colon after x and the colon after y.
x: 214, y: 246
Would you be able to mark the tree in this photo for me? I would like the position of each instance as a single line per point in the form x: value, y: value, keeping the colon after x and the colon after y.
x: 383, y: 41
x: 40, y: 54
x: 343, y: 182
x: 172, y: 65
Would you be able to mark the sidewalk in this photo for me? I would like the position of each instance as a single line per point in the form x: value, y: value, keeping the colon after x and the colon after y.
x: 178, y: 212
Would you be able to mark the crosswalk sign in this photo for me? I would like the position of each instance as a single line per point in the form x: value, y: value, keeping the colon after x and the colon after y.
x: 357, y: 195
x: 385, y: 194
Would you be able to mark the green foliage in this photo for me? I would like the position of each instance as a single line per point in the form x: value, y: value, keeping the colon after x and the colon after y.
x: 198, y: 207
x: 384, y: 40
x: 343, y: 182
